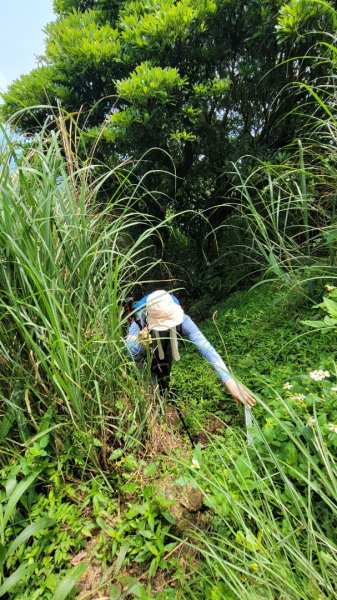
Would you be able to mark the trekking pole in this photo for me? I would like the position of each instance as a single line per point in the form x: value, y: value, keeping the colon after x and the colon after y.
x: 249, y: 423
x: 170, y: 400
x: 185, y: 426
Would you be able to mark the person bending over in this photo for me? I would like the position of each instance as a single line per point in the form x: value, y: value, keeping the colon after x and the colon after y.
x: 156, y: 324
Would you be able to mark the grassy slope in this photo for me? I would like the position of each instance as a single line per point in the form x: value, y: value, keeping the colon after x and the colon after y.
x: 260, y: 335
x: 256, y: 492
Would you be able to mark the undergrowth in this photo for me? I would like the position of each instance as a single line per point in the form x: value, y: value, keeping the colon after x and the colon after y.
x: 256, y: 498
x: 261, y: 336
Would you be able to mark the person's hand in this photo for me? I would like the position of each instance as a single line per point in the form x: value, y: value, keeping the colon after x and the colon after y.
x: 144, y: 337
x: 240, y: 393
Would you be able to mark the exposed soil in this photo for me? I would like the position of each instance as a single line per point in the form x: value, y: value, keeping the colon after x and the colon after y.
x: 164, y: 438
x: 212, y: 425
x: 90, y: 581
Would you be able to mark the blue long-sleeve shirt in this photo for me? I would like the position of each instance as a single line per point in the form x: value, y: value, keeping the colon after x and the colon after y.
x: 189, y: 330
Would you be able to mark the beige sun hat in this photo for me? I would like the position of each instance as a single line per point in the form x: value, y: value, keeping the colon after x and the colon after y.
x: 162, y: 311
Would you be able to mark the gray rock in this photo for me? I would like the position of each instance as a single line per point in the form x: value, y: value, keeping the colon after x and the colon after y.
x: 186, y: 500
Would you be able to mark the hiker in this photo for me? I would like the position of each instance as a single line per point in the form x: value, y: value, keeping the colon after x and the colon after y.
x: 155, y: 326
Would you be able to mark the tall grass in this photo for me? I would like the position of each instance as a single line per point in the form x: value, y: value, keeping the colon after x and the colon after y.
x: 286, y: 221
x: 286, y: 206
x: 273, y: 532
x: 274, y: 502
x: 67, y: 262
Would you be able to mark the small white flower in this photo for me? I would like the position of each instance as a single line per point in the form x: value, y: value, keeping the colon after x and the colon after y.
x: 195, y: 464
x: 299, y: 397
x: 333, y: 427
x: 287, y: 385
x: 319, y: 374
x: 329, y: 287
x: 310, y: 422
x: 334, y: 388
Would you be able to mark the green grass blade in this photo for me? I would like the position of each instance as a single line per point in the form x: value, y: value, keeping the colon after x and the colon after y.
x: 69, y: 581
x: 21, y: 572
x: 15, y: 496
x: 28, y: 532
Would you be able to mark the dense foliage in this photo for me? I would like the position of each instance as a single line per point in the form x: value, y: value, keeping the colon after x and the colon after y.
x: 270, y: 507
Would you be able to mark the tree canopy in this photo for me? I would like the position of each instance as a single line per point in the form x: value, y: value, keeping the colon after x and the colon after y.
x: 205, y: 81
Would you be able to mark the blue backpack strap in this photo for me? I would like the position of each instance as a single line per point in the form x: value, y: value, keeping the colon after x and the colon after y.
x: 139, y: 314
x: 140, y: 304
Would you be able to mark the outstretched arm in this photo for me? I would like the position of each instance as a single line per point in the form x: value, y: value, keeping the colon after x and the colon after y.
x: 238, y: 391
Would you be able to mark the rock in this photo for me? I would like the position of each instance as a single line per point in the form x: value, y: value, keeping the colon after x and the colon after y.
x: 186, y: 501
x: 191, y: 498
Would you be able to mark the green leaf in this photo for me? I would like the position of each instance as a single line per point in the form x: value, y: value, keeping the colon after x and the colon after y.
x: 10, y: 485
x: 16, y: 495
x: 186, y: 480
x: 153, y: 549
x: 146, y: 533
x: 151, y: 521
x: 242, y: 467
x: 150, y: 469
x: 28, y: 532
x: 168, y: 517
x: 116, y: 454
x: 170, y: 546
x: 115, y: 592
x: 69, y: 581
x: 129, y: 488
x: 288, y: 452
x: 328, y: 559
x: 14, y: 412
x: 197, y: 453
x: 127, y: 581
x: 2, y: 553
x: 138, y: 591
x: 153, y: 567
x: 249, y: 484
x: 331, y: 307
x: 44, y: 441
x: 316, y: 324
x: 120, y: 558
x: 15, y: 578
x: 6, y: 423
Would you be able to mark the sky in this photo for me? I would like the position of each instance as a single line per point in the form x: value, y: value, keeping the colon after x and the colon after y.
x: 21, y: 36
